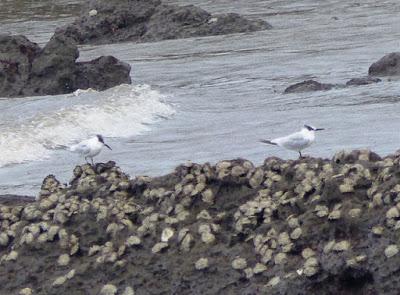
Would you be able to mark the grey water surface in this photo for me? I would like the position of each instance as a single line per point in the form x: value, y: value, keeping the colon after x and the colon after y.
x: 211, y: 98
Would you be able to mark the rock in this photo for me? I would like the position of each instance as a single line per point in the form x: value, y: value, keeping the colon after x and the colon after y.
x: 334, y: 215
x: 281, y: 238
x: 296, y: 233
x: 238, y: 171
x: 392, y: 213
x: 159, y: 247
x: 363, y: 81
x: 167, y: 233
x: 310, y: 271
x: 59, y: 281
x: 4, y: 239
x: 311, y: 266
x: 101, y: 73
x: 312, y: 85
x: 274, y: 281
x: 28, y: 70
x: 25, y: 291
x: 280, y: 259
x: 108, y: 289
x: 355, y: 213
x: 201, y: 264
x: 239, y: 263
x: 128, y: 291
x: 341, y: 246
x: 389, y: 65
x: 346, y: 188
x: 93, y: 250
x: 377, y: 230
x: 259, y: 268
x: 93, y: 12
x: 16, y: 56
x: 149, y: 21
x: 187, y: 242
x: 322, y: 211
x: 12, y: 256
x: 293, y: 222
x: 133, y: 241
x: 70, y: 274
x: 249, y: 273
x: 391, y: 251
x: 307, y: 86
x: 63, y: 260
x: 208, y: 196
x: 307, y: 253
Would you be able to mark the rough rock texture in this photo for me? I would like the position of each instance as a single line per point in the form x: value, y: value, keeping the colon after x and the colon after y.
x: 27, y: 70
x: 308, y: 226
x: 312, y: 85
x: 308, y: 85
x: 363, y: 81
x: 150, y: 20
x: 389, y: 65
x: 13, y: 200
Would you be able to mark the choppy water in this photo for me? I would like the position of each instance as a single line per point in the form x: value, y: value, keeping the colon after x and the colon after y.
x: 207, y: 99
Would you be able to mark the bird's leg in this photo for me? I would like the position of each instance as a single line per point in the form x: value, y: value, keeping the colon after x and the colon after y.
x: 92, y: 160
x: 301, y: 156
x: 86, y: 159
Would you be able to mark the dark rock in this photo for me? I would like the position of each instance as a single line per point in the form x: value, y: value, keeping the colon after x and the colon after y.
x: 53, y: 68
x: 16, y: 56
x: 15, y: 200
x: 362, y: 81
x: 146, y: 21
x: 312, y: 85
x: 111, y: 69
x: 331, y: 255
x: 309, y: 85
x: 28, y: 70
x: 389, y: 65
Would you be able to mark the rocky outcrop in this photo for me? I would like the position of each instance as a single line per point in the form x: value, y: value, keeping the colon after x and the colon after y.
x: 150, y: 20
x: 389, y: 65
x: 312, y: 85
x: 27, y: 70
x: 363, y: 81
x: 307, y: 86
x: 307, y: 226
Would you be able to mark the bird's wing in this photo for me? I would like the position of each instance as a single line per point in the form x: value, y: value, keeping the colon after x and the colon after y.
x: 293, y: 141
x: 81, y: 147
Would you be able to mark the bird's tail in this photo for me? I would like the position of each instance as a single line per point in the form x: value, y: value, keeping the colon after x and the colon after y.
x: 51, y: 146
x: 267, y: 142
x: 61, y: 147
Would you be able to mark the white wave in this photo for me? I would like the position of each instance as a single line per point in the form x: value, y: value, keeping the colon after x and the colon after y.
x: 123, y: 111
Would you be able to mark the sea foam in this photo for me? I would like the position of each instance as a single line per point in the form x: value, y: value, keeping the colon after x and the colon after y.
x: 123, y: 111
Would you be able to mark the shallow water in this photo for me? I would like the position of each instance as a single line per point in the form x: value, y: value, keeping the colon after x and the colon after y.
x: 212, y: 98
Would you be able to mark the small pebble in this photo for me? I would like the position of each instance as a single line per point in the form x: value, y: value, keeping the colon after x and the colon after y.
x: 259, y: 268
x: 274, y: 281
x: 341, y: 246
x: 201, y: 264
x: 128, y: 291
x: 108, y: 289
x: 25, y: 291
x: 239, y: 263
x: 391, y: 251
x: 63, y: 260
x: 159, y: 247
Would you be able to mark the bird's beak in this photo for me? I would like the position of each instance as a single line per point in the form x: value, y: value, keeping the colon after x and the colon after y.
x: 108, y: 146
x: 319, y: 129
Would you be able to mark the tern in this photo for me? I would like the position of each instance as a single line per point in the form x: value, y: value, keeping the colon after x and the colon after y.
x: 90, y: 147
x: 297, y: 141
